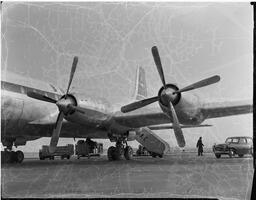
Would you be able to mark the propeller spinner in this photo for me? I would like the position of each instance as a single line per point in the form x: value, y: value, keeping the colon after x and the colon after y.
x: 167, y: 95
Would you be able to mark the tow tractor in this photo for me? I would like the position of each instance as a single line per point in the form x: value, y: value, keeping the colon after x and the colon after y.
x: 88, y: 148
x: 62, y: 151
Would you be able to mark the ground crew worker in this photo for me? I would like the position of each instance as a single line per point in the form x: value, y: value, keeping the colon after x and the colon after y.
x: 200, y: 145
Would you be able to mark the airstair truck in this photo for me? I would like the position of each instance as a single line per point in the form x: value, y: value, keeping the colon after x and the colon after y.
x: 62, y: 151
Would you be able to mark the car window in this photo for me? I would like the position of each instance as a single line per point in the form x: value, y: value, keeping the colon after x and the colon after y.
x: 242, y: 141
x: 235, y: 140
x: 228, y: 140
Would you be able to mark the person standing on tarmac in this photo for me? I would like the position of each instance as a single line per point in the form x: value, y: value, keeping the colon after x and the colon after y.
x: 200, y: 145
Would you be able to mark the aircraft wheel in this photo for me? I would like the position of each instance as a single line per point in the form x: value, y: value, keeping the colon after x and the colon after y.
x: 19, y: 156
x: 7, y: 157
x: 111, y: 151
x: 128, y: 153
x: 14, y: 157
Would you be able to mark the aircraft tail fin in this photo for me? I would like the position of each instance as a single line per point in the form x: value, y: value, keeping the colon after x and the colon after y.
x: 140, y: 84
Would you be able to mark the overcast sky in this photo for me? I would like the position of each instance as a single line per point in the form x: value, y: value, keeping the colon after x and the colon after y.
x: 195, y: 41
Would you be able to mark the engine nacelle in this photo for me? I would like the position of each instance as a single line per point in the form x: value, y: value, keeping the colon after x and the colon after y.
x: 131, y: 135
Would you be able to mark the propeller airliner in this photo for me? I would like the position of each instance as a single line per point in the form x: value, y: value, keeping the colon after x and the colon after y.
x: 29, y: 113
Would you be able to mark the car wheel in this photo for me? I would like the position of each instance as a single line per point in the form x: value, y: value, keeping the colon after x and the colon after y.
x: 240, y: 155
x: 217, y: 155
x: 231, y: 153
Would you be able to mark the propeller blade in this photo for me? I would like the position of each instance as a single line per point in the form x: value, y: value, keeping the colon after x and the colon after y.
x: 176, y: 127
x: 158, y: 64
x: 199, y: 84
x: 41, y: 97
x: 73, y: 69
x: 56, y: 133
x: 138, y: 104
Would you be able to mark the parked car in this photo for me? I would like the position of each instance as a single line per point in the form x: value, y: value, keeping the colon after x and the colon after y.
x: 234, y: 146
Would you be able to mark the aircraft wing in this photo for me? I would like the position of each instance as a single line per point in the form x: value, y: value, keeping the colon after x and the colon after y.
x: 141, y: 118
x: 223, y: 109
x: 181, y: 126
x: 155, y: 116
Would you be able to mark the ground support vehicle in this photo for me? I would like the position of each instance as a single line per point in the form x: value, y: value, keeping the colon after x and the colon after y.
x: 62, y: 151
x: 88, y: 149
x: 142, y: 151
x: 234, y: 146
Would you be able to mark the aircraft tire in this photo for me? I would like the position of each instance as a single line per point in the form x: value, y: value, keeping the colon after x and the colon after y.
x: 128, y: 153
x: 7, y: 157
x: 14, y: 157
x: 19, y: 156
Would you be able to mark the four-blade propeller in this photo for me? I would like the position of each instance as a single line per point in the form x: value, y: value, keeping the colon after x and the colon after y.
x: 166, y: 96
x: 64, y: 105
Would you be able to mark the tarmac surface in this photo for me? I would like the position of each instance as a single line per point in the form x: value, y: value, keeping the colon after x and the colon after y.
x: 176, y: 175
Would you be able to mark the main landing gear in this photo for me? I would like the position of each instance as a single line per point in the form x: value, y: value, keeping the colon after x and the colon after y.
x: 116, y: 153
x: 8, y: 156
